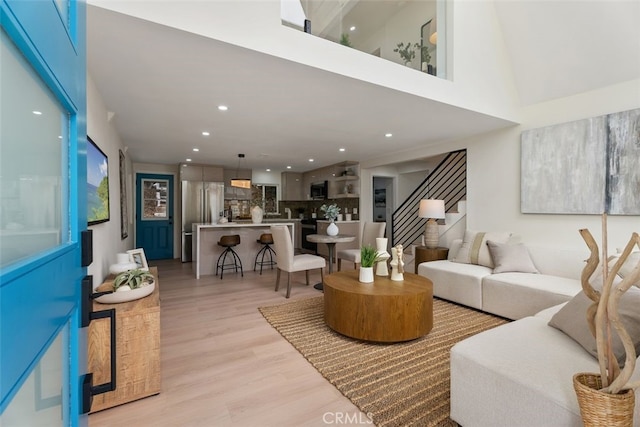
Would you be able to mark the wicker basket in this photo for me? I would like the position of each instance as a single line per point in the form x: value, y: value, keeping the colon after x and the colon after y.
x: 602, y: 409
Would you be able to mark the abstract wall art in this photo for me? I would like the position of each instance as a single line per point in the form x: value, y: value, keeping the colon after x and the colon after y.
x: 589, y: 166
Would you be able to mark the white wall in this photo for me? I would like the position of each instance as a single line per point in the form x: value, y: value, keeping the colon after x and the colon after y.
x: 493, y: 173
x: 106, y: 236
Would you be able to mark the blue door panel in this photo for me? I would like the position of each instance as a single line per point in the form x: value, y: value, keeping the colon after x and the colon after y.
x: 52, y: 52
x: 40, y: 296
x: 37, y: 314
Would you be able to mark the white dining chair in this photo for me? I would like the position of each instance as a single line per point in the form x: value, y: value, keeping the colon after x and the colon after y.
x: 287, y: 261
x: 370, y: 232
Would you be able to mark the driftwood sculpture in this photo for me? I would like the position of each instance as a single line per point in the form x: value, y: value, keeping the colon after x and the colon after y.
x: 603, y: 314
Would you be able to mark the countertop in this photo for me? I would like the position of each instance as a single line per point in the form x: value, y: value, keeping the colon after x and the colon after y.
x: 240, y: 224
x: 340, y: 222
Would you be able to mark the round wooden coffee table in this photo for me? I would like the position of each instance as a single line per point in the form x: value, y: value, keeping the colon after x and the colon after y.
x: 382, y: 311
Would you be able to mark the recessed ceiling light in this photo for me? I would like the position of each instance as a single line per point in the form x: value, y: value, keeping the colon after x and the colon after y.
x: 196, y: 149
x: 388, y: 135
x: 37, y: 113
x: 352, y: 28
x: 205, y: 133
x: 268, y: 170
x: 288, y: 167
x: 311, y: 160
x: 342, y: 149
x: 188, y: 160
x: 223, y: 107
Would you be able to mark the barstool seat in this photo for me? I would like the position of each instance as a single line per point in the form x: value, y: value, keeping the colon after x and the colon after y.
x: 266, y: 239
x: 228, y: 242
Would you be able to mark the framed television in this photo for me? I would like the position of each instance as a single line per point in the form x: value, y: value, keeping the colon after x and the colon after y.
x: 97, y: 184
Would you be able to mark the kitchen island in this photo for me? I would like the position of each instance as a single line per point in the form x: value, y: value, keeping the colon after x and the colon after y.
x: 206, y: 249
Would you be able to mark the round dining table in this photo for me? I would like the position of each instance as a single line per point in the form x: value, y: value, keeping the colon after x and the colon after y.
x: 330, y: 241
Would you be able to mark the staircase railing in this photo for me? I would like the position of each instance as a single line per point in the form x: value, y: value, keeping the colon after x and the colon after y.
x: 448, y: 182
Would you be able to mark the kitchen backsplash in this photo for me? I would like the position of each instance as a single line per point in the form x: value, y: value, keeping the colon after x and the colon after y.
x: 307, y: 207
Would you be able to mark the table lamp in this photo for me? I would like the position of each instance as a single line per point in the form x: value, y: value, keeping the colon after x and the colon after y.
x: 433, y: 210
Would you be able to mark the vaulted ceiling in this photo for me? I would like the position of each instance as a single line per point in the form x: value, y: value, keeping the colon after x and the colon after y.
x: 159, y: 83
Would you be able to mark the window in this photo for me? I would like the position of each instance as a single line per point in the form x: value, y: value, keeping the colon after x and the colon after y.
x: 265, y: 196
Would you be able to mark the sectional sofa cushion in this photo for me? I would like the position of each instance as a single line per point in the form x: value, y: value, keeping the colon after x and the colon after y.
x: 572, y: 320
x: 514, y: 258
x: 519, y: 374
x: 474, y: 249
x: 461, y: 283
x: 517, y: 295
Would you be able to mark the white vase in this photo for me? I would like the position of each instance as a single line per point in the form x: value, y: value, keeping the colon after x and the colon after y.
x: 123, y: 263
x: 332, y: 229
x: 256, y: 214
x: 366, y: 275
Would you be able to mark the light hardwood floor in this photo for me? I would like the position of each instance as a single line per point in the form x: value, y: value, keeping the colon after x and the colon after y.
x: 224, y: 365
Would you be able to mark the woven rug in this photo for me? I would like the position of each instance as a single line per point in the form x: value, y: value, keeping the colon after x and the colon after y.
x: 404, y: 384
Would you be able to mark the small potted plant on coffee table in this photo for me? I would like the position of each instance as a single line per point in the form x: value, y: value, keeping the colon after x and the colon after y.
x: 368, y: 258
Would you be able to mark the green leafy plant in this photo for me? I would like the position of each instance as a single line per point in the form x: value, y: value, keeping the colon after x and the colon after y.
x: 425, y: 55
x: 368, y: 256
x: 330, y: 212
x: 344, y: 40
x: 133, y: 279
x: 408, y: 52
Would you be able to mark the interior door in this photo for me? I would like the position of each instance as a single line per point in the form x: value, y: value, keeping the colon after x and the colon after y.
x: 42, y: 211
x: 154, y: 217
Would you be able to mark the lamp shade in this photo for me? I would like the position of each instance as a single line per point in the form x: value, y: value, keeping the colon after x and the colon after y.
x: 430, y: 208
x: 241, y: 183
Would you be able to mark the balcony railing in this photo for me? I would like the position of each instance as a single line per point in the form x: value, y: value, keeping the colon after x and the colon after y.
x: 411, y: 33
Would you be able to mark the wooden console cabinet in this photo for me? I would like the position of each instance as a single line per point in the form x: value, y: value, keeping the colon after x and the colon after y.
x: 137, y: 349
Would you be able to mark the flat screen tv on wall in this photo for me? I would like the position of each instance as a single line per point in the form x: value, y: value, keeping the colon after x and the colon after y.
x: 97, y: 184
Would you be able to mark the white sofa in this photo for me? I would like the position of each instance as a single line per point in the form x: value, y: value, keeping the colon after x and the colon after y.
x: 510, y: 295
x: 520, y: 375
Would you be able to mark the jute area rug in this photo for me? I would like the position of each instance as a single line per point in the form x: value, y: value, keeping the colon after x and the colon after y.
x: 404, y: 384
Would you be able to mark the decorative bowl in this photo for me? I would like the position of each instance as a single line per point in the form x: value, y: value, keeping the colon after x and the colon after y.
x: 126, y: 296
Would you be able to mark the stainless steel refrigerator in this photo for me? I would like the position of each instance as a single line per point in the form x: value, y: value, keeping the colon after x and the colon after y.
x: 202, y: 202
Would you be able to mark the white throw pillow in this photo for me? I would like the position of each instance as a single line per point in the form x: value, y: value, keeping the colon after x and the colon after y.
x: 474, y: 249
x: 511, y: 258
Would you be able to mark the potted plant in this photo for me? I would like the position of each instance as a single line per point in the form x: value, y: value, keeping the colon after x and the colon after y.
x: 425, y: 57
x: 599, y: 395
x: 331, y: 213
x: 368, y: 258
x: 408, y: 52
x: 344, y: 40
x: 132, y: 279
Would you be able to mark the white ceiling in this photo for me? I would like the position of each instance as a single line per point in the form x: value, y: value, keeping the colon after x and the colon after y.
x: 163, y: 85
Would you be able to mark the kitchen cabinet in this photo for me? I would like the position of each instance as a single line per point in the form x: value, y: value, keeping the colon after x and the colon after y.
x: 298, y: 235
x: 201, y: 173
x: 137, y: 348
x: 292, y: 186
x: 351, y: 228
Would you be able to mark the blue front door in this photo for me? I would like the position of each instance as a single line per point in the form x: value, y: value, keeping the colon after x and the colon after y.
x: 42, y: 210
x: 154, y: 217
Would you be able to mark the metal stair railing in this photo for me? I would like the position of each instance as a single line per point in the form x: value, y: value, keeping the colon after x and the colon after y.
x: 448, y: 182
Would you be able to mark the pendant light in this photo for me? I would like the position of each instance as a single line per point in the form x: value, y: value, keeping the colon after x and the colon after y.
x: 240, y: 182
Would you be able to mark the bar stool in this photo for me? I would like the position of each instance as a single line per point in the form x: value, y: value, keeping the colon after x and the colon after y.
x: 265, y: 239
x: 228, y: 242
